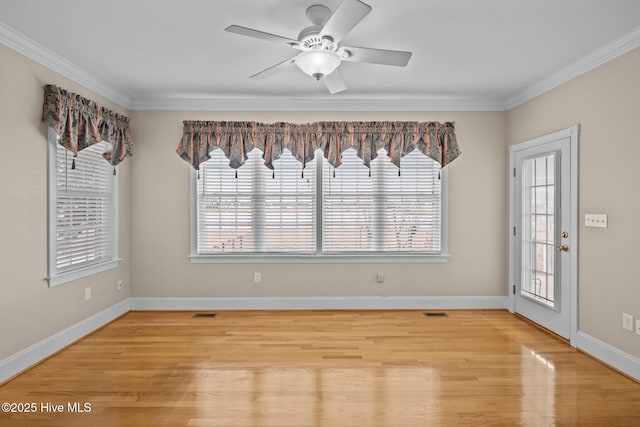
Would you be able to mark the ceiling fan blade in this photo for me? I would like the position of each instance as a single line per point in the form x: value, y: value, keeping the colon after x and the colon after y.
x: 397, y: 58
x: 274, y: 69
x: 334, y: 82
x: 344, y: 18
x: 249, y: 32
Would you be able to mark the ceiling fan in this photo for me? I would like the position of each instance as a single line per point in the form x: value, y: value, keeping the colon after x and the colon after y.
x: 321, y: 52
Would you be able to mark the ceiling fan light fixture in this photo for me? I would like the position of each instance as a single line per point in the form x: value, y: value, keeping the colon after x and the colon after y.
x: 318, y: 63
x: 321, y: 45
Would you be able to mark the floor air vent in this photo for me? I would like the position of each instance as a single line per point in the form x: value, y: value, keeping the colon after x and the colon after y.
x: 204, y: 315
x: 436, y: 314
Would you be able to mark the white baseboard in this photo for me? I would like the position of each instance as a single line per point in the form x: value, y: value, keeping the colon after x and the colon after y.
x: 612, y: 356
x: 316, y: 303
x: 13, y: 365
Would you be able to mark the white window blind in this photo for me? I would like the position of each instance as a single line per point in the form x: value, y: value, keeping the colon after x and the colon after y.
x: 349, y: 210
x: 382, y: 210
x: 254, y: 209
x: 83, y: 209
x: 321, y: 211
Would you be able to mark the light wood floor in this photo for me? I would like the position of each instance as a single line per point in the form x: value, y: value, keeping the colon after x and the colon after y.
x: 323, y: 368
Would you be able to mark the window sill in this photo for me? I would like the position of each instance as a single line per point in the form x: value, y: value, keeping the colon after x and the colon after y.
x: 68, y: 276
x: 316, y: 259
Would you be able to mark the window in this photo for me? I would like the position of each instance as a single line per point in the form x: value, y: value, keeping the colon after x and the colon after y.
x: 321, y: 212
x: 82, y: 213
x: 391, y: 211
x: 256, y: 210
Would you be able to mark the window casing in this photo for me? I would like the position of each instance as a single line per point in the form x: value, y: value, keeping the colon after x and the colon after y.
x: 321, y: 213
x: 83, y: 220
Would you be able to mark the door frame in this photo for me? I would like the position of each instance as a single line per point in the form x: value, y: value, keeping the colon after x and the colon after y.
x: 573, y: 133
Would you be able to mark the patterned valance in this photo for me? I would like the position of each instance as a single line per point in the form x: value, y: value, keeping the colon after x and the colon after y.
x: 80, y: 122
x: 236, y: 139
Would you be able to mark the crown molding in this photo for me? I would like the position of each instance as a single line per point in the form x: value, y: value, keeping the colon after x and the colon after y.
x: 612, y: 50
x: 40, y: 54
x: 435, y: 104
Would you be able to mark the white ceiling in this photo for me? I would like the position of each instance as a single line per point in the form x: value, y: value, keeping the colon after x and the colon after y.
x: 478, y: 54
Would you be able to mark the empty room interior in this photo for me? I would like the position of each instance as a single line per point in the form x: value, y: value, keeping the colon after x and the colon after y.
x: 319, y: 212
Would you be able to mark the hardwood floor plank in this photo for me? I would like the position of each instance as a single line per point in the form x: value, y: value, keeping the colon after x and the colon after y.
x: 322, y: 368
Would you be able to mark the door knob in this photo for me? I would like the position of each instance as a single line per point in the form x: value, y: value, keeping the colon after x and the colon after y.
x: 563, y: 248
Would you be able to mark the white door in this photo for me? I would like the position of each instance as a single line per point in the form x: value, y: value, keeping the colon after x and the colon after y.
x: 543, y: 230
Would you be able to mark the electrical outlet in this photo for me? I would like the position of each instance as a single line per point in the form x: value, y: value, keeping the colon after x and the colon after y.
x: 87, y: 293
x: 627, y: 322
x: 638, y: 326
x: 380, y: 278
x: 257, y: 277
x: 120, y: 285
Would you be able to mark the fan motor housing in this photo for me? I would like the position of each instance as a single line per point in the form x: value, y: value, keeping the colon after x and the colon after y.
x: 309, y: 39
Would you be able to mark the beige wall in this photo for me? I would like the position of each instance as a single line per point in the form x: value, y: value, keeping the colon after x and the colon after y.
x: 477, y: 220
x: 29, y: 310
x: 606, y: 103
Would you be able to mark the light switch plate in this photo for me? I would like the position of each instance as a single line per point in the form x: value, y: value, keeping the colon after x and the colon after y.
x: 595, y: 220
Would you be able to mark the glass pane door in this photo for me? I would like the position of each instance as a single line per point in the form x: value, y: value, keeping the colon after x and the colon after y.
x: 538, y: 266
